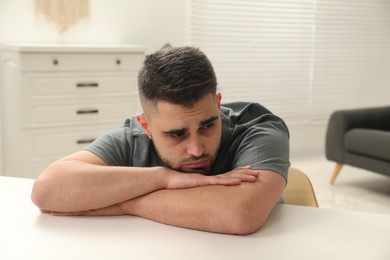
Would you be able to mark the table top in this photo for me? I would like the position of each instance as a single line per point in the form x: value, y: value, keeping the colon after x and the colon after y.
x: 291, y: 232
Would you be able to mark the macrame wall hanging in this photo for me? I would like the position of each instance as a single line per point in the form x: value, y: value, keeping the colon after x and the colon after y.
x: 63, y: 13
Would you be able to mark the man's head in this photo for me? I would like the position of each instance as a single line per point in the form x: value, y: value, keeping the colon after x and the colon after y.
x: 179, y: 76
x: 178, y: 92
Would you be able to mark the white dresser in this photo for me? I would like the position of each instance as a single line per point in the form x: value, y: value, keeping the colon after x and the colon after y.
x: 58, y: 98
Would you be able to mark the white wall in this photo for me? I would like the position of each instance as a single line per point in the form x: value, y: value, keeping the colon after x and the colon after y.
x: 307, y: 140
x: 150, y: 23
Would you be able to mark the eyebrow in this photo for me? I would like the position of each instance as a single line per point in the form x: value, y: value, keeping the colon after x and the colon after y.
x: 182, y: 131
x: 208, y: 120
x: 176, y: 131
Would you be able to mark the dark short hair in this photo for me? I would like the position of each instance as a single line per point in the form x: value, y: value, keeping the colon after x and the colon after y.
x: 178, y: 75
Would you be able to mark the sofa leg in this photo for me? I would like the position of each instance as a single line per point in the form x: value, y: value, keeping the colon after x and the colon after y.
x: 336, y: 172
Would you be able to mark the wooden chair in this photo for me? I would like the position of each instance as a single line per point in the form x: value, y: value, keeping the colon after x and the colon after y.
x: 299, y: 190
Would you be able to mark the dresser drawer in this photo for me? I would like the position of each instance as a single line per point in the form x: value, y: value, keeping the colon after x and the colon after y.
x: 58, y: 97
x: 51, y: 144
x: 79, y: 112
x: 80, y: 61
x: 72, y: 85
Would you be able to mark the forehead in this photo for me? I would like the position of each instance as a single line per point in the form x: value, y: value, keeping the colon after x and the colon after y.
x: 168, y: 115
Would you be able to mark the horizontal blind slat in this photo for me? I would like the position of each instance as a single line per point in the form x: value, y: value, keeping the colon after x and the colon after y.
x: 302, y: 58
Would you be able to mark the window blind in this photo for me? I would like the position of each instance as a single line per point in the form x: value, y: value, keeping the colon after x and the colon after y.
x: 351, y: 57
x: 302, y: 59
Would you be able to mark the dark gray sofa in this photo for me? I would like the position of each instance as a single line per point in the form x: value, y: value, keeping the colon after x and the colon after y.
x: 360, y: 138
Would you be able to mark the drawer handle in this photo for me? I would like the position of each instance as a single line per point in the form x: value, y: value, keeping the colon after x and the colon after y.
x: 55, y: 62
x: 118, y: 62
x: 87, y: 85
x: 85, y: 141
x: 87, y: 111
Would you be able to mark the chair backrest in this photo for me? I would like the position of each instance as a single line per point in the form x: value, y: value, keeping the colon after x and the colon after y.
x: 299, y: 190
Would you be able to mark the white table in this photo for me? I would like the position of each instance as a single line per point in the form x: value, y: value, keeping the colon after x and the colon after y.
x: 292, y: 232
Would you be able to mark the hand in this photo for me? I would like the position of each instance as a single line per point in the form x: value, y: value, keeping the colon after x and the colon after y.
x: 177, y: 180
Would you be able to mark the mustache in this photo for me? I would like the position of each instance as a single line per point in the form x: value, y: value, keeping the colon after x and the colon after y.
x: 195, y: 158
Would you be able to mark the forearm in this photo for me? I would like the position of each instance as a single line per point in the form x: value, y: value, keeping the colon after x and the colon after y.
x: 193, y: 208
x: 83, y: 182
x: 68, y: 186
x: 224, y: 209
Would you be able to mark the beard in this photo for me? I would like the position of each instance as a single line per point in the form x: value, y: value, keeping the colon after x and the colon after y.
x: 180, y: 166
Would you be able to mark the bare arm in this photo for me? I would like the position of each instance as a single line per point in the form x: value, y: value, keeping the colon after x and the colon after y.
x: 224, y: 209
x: 83, y: 182
x: 235, y: 209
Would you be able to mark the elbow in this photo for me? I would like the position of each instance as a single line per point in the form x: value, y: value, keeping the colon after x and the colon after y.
x: 38, y: 195
x: 247, y: 217
x: 245, y: 225
x: 245, y: 220
x: 41, y: 192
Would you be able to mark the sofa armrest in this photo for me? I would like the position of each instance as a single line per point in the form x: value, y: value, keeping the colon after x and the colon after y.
x: 342, y: 121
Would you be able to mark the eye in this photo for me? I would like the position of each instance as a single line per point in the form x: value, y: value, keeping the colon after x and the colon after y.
x: 176, y: 135
x: 207, y: 126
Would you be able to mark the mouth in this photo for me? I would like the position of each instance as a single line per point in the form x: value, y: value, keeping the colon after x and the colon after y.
x: 196, y: 165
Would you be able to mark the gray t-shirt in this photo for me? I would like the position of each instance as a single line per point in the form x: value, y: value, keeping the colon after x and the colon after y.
x: 251, y: 135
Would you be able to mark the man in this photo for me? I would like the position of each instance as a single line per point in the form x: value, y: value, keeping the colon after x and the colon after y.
x: 186, y: 161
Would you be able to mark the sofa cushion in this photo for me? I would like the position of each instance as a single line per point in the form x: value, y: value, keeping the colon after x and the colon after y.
x: 369, y: 142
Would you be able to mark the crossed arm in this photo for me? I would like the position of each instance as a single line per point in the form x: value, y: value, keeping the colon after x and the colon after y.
x: 237, y: 202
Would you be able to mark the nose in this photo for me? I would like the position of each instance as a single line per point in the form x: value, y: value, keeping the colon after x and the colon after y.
x: 195, y: 146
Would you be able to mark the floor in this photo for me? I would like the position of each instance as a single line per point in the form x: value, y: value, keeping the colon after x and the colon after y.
x: 355, y: 189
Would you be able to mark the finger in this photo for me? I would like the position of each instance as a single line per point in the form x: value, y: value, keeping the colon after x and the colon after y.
x: 244, y: 172
x: 249, y: 172
x: 255, y: 173
x: 217, y: 180
x: 250, y: 176
x: 230, y: 182
x: 243, y: 168
x: 246, y: 177
x: 234, y: 179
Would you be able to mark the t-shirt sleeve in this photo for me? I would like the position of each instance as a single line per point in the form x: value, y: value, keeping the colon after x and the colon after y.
x: 113, y: 148
x: 265, y: 146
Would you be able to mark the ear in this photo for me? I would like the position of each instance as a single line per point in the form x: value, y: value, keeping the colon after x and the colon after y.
x: 219, y: 98
x: 141, y: 118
